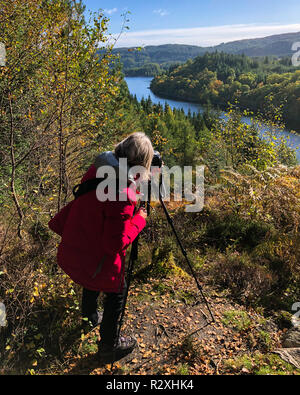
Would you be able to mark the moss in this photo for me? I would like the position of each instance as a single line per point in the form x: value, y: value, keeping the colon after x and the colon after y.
x: 259, y: 364
x: 236, y: 319
x: 162, y: 264
x: 163, y: 289
x: 182, y: 369
x: 265, y: 340
x: 167, y: 267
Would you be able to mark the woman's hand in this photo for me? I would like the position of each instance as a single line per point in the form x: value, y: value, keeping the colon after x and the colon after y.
x: 142, y: 212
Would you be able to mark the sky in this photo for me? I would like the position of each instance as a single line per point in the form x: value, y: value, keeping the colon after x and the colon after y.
x: 196, y: 22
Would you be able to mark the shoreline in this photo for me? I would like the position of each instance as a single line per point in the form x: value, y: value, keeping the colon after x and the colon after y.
x: 218, y: 107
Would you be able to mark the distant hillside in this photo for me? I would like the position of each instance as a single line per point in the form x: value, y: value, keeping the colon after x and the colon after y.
x: 278, y: 45
x: 163, y: 56
x: 260, y: 85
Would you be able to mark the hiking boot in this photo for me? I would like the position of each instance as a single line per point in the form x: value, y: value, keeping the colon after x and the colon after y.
x: 108, y: 354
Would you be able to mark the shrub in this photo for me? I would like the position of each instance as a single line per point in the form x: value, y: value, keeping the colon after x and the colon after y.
x: 235, y: 230
x: 247, y: 281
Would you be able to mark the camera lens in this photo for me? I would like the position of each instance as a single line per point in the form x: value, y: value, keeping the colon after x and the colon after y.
x: 157, y: 160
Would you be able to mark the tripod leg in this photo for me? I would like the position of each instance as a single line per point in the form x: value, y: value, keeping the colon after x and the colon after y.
x: 170, y: 221
x: 132, y: 258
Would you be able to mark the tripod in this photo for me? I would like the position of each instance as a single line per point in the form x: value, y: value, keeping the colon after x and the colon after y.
x: 134, y: 254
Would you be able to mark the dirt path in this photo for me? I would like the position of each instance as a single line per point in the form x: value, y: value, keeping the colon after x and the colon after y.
x: 176, y: 336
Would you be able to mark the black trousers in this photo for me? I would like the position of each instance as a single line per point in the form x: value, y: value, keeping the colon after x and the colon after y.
x: 113, y: 303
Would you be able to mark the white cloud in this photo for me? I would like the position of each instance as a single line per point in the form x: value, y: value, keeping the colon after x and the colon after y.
x: 203, y: 36
x: 110, y: 11
x: 161, y: 12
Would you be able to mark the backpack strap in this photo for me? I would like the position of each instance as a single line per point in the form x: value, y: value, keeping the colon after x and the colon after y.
x: 86, y: 186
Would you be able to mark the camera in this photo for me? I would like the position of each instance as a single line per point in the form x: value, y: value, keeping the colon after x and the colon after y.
x: 157, y: 160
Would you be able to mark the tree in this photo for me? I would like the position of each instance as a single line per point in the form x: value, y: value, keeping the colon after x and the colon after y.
x: 55, y: 96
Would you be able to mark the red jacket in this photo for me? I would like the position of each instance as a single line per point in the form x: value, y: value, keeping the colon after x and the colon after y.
x: 95, y: 236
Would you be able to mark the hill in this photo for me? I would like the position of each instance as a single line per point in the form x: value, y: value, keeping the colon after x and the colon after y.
x: 219, y: 78
x: 276, y: 45
x: 163, y: 56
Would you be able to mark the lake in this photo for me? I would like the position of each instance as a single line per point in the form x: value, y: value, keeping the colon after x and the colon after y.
x: 140, y: 86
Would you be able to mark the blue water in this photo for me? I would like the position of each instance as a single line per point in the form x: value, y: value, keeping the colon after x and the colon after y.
x: 139, y: 86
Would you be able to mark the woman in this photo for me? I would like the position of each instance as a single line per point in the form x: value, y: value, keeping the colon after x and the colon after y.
x: 95, y: 236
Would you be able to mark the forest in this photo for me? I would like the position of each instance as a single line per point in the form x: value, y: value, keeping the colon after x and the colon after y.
x: 260, y: 86
x: 61, y: 104
x: 135, y: 59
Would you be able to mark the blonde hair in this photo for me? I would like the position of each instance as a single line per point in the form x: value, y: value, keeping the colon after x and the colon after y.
x: 138, y: 150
